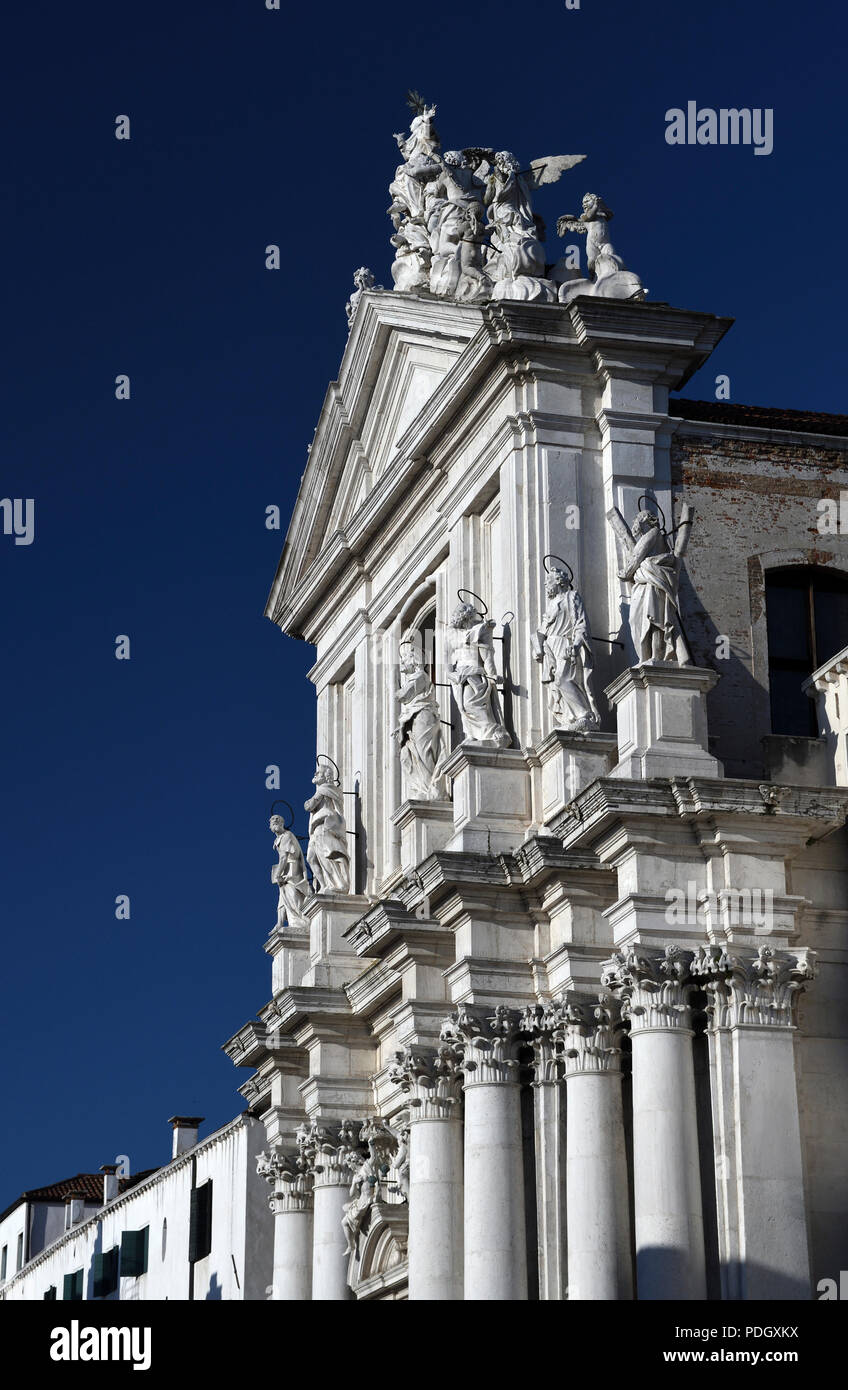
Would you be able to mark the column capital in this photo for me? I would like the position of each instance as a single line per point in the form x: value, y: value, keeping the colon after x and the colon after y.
x: 329, y: 1152
x: 432, y: 1080
x: 590, y: 1036
x: 485, y: 1047
x: 652, y: 987
x: 755, y: 990
x: 292, y: 1188
x: 540, y: 1028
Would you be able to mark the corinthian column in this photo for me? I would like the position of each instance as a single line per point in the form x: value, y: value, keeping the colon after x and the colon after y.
x: 759, y: 1173
x: 434, y: 1086
x: 654, y: 992
x: 540, y: 1026
x: 327, y: 1154
x: 599, y: 1258
x: 291, y: 1203
x: 494, y: 1226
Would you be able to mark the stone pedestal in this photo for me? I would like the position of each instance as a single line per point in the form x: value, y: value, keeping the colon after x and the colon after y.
x: 435, y: 1250
x: 288, y: 948
x: 662, y: 721
x: 566, y: 764
x: 332, y: 963
x: 653, y: 990
x: 492, y: 803
x: 425, y: 826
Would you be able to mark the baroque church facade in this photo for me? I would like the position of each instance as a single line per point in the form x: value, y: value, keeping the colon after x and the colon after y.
x: 558, y: 1009
x: 558, y: 986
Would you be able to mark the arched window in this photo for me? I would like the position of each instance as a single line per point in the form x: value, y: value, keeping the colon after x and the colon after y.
x: 807, y: 622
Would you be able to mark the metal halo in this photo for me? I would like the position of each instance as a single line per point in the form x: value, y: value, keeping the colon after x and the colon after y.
x: 508, y: 616
x: 482, y: 610
x: 281, y: 801
x: 546, y: 558
x: 646, y: 497
x: 328, y: 759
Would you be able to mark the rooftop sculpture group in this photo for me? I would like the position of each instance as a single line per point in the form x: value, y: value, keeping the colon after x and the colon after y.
x: 464, y: 225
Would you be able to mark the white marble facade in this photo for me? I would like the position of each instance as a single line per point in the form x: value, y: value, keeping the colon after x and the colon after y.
x: 505, y: 940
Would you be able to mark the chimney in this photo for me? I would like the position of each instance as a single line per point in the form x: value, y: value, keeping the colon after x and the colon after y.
x: 111, y: 1185
x: 185, y: 1132
x: 74, y: 1209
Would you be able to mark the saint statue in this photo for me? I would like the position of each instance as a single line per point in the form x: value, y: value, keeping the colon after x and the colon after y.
x: 419, y: 728
x: 652, y: 565
x: 474, y: 678
x: 561, y: 646
x: 326, y: 852
x: 289, y: 873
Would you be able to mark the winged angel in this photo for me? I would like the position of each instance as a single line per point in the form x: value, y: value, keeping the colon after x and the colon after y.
x: 464, y: 221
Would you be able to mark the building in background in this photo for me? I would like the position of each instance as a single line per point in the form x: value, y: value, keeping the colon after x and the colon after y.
x: 196, y: 1228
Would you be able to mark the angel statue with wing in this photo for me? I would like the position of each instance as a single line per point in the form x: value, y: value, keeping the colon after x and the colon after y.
x: 517, y: 258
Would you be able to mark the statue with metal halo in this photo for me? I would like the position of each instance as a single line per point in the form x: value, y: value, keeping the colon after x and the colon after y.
x: 289, y: 873
x: 473, y: 674
x: 561, y: 646
x: 327, y: 853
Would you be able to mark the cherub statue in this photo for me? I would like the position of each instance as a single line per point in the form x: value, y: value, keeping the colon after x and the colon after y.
x: 364, y: 280
x: 327, y: 853
x: 419, y: 727
x: 290, y: 875
x: 609, y: 277
x: 652, y: 565
x: 561, y: 646
x: 474, y: 677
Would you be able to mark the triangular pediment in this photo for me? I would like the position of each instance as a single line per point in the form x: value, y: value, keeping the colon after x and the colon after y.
x: 400, y: 349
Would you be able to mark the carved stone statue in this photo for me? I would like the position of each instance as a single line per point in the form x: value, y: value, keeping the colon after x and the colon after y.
x: 609, y: 278
x: 364, y: 280
x: 474, y: 678
x: 457, y: 230
x: 409, y: 195
x: 437, y: 211
x: 652, y: 565
x: 419, y: 728
x: 562, y: 648
x: 327, y: 853
x: 370, y: 1182
x: 290, y: 876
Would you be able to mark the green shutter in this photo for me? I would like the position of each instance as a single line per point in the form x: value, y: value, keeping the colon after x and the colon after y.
x: 51, y: 1292
x: 72, y: 1286
x: 200, y: 1224
x: 106, y: 1273
x: 134, y: 1252
x: 68, y: 1287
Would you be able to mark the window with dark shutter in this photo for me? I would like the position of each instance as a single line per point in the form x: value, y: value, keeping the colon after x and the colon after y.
x: 72, y: 1287
x: 50, y: 1295
x: 106, y: 1273
x: 134, y: 1253
x: 200, y: 1224
x: 807, y: 622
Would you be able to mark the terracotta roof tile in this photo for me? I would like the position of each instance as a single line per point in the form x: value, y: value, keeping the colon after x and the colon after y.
x: 760, y: 416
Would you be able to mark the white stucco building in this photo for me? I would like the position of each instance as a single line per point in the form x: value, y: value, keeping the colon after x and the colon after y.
x: 196, y: 1228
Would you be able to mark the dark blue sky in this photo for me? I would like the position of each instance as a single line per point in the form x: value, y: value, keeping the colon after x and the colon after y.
x: 250, y: 126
